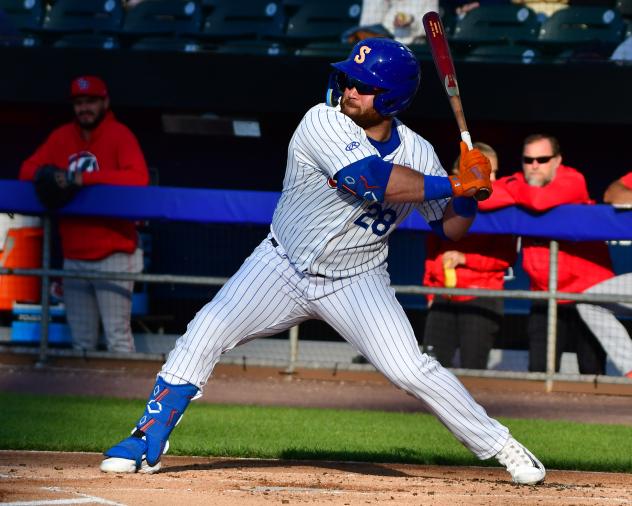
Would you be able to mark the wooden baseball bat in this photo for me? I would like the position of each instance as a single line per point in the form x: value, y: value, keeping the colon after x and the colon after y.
x: 438, y: 42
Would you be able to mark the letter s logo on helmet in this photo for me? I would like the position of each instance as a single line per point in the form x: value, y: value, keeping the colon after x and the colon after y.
x: 386, y: 64
x: 361, y: 56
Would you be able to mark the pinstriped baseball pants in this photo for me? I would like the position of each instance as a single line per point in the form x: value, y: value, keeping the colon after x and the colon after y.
x: 267, y: 296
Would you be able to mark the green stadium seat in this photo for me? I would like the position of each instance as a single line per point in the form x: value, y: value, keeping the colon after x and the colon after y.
x: 166, y: 44
x: 20, y: 21
x: 422, y: 51
x: 320, y: 20
x: 448, y: 18
x: 495, y: 24
x: 252, y: 47
x: 331, y: 50
x: 246, y: 19
x: 593, y: 29
x: 24, y: 16
x: 155, y: 18
x: 76, y: 16
x: 87, y: 40
x: 208, y: 6
x: 625, y: 8
x: 503, y: 53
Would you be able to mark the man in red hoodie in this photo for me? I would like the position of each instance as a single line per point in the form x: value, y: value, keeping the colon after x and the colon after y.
x: 95, y: 149
x: 543, y: 184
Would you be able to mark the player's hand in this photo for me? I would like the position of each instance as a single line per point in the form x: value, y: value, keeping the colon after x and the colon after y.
x: 451, y: 259
x: 474, y: 173
x: 403, y: 19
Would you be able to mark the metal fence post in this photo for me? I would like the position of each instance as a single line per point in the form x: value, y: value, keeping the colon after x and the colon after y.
x: 551, y: 337
x: 293, y: 350
x: 43, y: 352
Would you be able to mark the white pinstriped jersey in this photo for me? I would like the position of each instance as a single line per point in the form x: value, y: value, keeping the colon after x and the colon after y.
x: 331, y: 233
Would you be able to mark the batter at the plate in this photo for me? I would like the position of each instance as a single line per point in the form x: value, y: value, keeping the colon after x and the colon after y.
x: 354, y: 172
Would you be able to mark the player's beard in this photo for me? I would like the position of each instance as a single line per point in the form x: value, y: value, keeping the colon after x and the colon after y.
x: 89, y: 121
x: 363, y: 118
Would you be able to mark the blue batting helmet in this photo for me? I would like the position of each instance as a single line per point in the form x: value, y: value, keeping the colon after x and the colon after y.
x: 381, y: 63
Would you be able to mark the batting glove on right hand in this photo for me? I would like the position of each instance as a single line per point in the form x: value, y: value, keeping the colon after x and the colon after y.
x: 474, y: 172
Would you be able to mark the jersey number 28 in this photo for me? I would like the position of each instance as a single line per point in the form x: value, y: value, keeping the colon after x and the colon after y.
x: 380, y: 220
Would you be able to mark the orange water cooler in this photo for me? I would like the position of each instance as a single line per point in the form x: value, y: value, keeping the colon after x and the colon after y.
x: 22, y: 249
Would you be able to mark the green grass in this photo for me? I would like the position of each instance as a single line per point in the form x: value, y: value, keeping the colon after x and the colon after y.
x: 32, y: 422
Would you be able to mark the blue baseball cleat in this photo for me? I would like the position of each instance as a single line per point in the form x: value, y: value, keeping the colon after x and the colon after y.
x: 141, y: 451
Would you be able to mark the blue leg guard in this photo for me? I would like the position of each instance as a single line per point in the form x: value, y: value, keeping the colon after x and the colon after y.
x: 163, y: 411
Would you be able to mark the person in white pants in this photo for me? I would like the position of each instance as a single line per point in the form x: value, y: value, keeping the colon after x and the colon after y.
x: 602, y: 318
x: 354, y: 173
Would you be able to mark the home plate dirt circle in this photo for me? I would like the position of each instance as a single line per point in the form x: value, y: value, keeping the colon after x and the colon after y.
x: 52, y: 478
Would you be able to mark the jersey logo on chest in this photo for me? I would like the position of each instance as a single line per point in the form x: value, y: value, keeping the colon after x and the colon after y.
x: 83, y: 161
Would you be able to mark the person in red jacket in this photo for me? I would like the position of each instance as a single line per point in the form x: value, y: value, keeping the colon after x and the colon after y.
x: 467, y: 323
x: 95, y: 149
x: 543, y: 184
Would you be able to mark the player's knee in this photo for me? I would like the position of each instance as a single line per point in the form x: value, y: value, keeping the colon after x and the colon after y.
x: 411, y: 377
x: 404, y: 381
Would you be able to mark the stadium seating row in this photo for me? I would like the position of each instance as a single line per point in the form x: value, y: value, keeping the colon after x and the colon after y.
x: 304, y: 27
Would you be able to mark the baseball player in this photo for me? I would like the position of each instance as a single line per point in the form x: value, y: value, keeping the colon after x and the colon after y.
x: 354, y: 172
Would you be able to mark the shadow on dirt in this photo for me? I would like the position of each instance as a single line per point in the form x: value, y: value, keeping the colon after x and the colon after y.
x: 349, y: 467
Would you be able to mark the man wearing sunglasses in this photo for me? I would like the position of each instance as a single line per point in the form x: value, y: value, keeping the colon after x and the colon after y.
x: 545, y: 183
x: 354, y: 173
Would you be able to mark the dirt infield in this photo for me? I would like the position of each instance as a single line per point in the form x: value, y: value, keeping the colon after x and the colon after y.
x: 47, y: 478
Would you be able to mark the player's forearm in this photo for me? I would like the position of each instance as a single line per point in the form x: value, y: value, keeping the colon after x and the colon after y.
x: 407, y: 185
x: 404, y: 185
x: 455, y: 226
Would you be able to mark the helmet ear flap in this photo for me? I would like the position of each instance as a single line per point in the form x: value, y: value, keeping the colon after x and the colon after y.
x: 334, y: 91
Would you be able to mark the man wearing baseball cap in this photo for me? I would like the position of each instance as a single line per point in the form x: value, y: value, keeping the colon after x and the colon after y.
x: 94, y: 148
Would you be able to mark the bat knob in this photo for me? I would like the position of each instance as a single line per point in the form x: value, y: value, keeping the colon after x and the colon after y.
x: 482, y: 194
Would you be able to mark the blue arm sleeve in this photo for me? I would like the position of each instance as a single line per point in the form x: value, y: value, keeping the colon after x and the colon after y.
x: 366, y: 178
x: 465, y: 207
x: 437, y: 187
x: 437, y: 228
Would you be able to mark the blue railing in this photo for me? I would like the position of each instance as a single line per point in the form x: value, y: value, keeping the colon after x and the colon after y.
x: 570, y: 222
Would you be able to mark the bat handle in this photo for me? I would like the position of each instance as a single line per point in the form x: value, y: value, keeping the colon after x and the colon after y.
x: 482, y: 194
x: 465, y: 137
